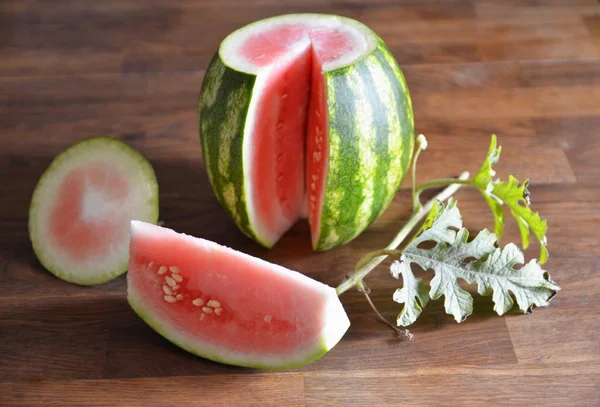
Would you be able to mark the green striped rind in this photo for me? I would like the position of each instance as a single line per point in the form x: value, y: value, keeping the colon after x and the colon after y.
x: 371, y: 139
x: 222, y: 111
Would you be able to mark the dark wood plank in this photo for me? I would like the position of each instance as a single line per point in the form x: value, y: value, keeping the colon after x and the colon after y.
x: 223, y: 390
x: 465, y: 386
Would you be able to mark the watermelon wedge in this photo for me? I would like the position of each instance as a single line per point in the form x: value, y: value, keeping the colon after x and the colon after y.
x: 305, y: 115
x: 82, y: 205
x: 227, y: 306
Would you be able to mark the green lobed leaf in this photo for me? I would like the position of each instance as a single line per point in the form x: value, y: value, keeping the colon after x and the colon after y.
x: 413, y: 293
x: 477, y: 261
x: 515, y: 197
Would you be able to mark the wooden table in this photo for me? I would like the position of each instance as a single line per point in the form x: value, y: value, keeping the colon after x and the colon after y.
x: 528, y: 71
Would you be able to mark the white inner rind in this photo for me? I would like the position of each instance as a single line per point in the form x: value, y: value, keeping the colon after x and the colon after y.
x: 141, y: 203
x: 364, y: 39
x: 335, y: 320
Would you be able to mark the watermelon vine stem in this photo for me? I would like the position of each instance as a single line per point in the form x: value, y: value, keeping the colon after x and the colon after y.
x: 362, y: 287
x: 356, y: 278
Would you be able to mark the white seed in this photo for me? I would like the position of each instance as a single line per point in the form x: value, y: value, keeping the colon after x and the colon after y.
x: 198, y: 302
x: 170, y: 281
x: 151, y: 264
x: 317, y: 156
x: 219, y: 311
x: 177, y: 278
x: 214, y: 304
x: 268, y: 319
x: 179, y: 297
x: 167, y: 289
x: 317, y: 113
x: 207, y: 310
x: 176, y: 287
x: 313, y: 186
x: 170, y: 299
x: 318, y: 131
x: 201, y: 317
x: 174, y: 269
x: 162, y: 270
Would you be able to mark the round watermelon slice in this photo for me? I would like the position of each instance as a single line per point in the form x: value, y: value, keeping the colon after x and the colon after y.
x: 81, y: 208
x: 305, y: 115
x: 227, y: 306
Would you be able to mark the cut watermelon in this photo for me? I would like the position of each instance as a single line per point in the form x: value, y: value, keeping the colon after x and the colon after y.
x: 81, y: 208
x: 305, y: 115
x: 227, y: 306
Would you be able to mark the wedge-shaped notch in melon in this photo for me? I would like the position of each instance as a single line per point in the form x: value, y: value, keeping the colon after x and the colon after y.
x: 305, y: 115
x: 82, y: 206
x: 227, y: 306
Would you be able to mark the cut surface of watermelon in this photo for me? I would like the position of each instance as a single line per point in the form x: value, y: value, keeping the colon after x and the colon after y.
x: 81, y: 208
x: 305, y: 115
x: 227, y: 306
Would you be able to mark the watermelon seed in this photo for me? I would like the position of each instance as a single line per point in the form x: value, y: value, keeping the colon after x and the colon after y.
x: 201, y: 317
x: 268, y: 318
x: 170, y: 281
x: 174, y: 269
x: 207, y: 310
x: 219, y: 311
x: 167, y: 290
x: 162, y: 270
x: 177, y: 278
x: 198, y: 302
x: 313, y: 186
x: 214, y: 304
x: 179, y: 297
x: 150, y: 265
x: 170, y: 299
x: 317, y: 113
x: 317, y: 156
x: 176, y: 287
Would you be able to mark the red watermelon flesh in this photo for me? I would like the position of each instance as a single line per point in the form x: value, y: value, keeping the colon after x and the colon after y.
x: 289, y: 146
x: 81, y: 208
x: 227, y: 306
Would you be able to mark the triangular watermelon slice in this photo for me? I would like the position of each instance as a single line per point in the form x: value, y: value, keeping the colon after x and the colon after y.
x: 227, y: 306
x: 305, y: 115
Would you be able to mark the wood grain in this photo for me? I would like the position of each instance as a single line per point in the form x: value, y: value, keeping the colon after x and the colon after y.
x: 528, y: 71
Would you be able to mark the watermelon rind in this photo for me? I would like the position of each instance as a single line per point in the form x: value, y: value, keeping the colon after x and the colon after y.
x: 371, y: 141
x: 371, y: 134
x: 329, y: 339
x: 118, y: 153
x: 335, y: 324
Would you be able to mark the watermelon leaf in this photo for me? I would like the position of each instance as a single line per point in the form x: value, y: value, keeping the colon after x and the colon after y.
x: 515, y: 196
x: 477, y: 261
x: 413, y: 293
